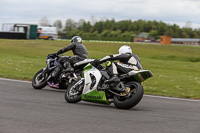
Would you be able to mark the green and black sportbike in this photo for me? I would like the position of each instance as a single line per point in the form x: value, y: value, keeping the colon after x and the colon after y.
x: 93, y: 88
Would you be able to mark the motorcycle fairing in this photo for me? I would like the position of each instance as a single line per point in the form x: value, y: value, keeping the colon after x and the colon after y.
x: 141, y: 75
x: 53, y: 85
x: 90, y: 92
x: 96, y: 97
x: 88, y: 79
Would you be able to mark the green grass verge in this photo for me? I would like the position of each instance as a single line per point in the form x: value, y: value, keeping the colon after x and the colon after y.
x: 176, y: 69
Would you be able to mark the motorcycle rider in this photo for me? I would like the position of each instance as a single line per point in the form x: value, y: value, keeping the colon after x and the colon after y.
x: 128, y: 62
x: 80, y: 53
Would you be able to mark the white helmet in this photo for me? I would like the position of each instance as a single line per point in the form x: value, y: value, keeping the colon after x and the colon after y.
x: 125, y: 49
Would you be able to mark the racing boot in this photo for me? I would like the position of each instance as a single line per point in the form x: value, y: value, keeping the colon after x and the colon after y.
x: 114, y: 79
x: 68, y: 67
x: 119, y: 87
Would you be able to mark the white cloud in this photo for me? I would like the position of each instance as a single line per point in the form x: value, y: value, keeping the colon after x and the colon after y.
x: 171, y: 11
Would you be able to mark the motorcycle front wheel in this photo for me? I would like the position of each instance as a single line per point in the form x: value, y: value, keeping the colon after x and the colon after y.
x: 132, y: 99
x: 74, y: 92
x: 39, y: 81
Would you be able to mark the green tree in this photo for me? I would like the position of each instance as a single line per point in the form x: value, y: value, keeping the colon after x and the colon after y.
x: 87, y: 27
x: 176, y: 33
x: 99, y: 26
x: 154, y: 33
x: 123, y: 25
x: 69, y: 25
x: 125, y: 30
x: 162, y: 28
x: 72, y: 33
x: 183, y: 34
x: 80, y: 24
x: 169, y: 32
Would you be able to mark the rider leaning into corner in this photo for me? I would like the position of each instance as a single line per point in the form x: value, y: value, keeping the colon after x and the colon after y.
x: 79, y: 50
x: 128, y: 62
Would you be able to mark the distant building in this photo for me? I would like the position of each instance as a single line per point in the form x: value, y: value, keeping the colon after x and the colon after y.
x: 186, y: 41
x: 165, y: 40
x: 143, y: 37
x: 139, y: 39
x: 18, y: 31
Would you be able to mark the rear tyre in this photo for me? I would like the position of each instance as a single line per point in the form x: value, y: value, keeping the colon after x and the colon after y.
x: 39, y: 81
x: 127, y: 102
x: 74, y: 92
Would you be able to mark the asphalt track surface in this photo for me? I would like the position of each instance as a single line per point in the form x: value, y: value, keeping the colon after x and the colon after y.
x: 26, y: 110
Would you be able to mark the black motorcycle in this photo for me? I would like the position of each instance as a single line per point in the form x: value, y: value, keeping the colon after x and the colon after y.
x: 58, y: 80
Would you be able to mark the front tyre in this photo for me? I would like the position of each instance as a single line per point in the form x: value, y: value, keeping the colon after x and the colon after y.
x: 74, y: 92
x: 132, y: 99
x: 39, y: 80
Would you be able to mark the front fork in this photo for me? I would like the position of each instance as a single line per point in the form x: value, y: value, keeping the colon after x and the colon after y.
x: 41, y: 76
x: 73, y: 78
x: 44, y: 70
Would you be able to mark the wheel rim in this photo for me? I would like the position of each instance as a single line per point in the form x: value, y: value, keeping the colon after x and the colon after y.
x: 74, y: 91
x: 131, y: 93
x: 39, y: 79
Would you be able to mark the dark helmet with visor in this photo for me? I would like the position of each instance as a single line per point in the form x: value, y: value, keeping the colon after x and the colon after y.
x: 76, y: 39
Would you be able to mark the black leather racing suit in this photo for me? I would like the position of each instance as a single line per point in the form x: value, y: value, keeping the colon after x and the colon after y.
x: 128, y: 62
x: 79, y: 51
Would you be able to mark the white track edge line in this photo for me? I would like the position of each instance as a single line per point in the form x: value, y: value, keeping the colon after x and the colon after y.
x: 15, y: 80
x: 162, y: 97
x: 173, y: 98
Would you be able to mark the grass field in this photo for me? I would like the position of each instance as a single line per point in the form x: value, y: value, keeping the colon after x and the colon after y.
x: 176, y: 69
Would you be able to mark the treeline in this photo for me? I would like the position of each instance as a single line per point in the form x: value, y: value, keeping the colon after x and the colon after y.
x: 124, y: 30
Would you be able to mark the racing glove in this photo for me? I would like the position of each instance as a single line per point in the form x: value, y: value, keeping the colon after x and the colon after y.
x: 95, y: 62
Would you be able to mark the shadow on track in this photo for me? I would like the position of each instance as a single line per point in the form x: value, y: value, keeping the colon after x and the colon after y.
x: 83, y: 103
x: 111, y: 106
x: 51, y: 90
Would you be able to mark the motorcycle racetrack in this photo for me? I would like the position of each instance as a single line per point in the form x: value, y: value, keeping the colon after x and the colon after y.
x: 26, y: 110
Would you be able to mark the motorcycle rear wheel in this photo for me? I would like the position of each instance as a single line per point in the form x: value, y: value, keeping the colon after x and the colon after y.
x: 39, y: 81
x: 74, y: 92
x: 136, y: 94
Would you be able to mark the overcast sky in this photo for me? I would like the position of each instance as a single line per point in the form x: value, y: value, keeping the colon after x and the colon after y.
x: 169, y: 11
